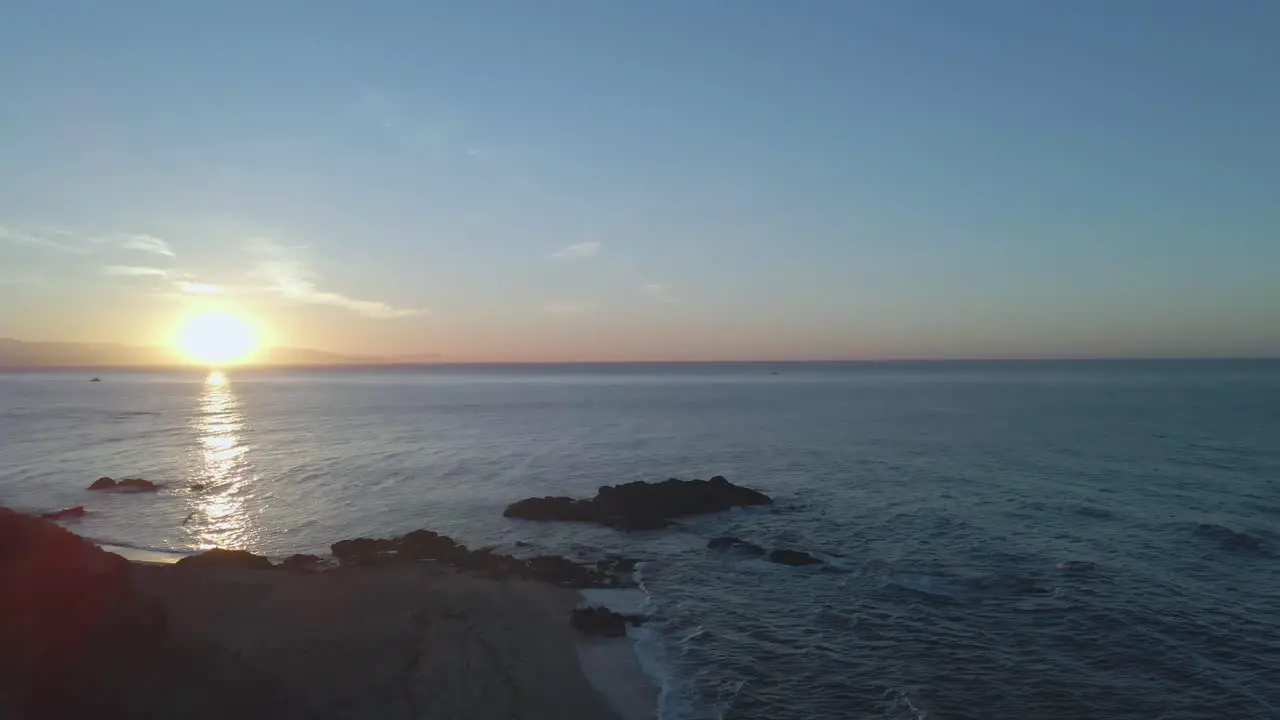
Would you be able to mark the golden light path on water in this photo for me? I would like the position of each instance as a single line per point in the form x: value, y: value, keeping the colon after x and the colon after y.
x: 219, y: 516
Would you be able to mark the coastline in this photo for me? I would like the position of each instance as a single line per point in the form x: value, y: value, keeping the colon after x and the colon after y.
x: 611, y: 666
x: 413, y: 642
x: 86, y: 633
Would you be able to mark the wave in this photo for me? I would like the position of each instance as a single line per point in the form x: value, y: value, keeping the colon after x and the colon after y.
x: 647, y: 642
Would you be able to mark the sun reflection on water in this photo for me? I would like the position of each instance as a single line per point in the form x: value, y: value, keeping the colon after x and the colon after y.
x: 219, y: 516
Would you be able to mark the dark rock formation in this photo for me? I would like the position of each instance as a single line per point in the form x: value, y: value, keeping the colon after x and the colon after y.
x: 130, y: 484
x: 71, y: 512
x: 301, y: 562
x: 62, y: 596
x: 219, y: 558
x: 1229, y: 539
x: 428, y: 546
x: 641, y: 505
x: 363, y: 551
x: 602, y: 622
x: 735, y: 544
x: 793, y: 557
x: 78, y: 640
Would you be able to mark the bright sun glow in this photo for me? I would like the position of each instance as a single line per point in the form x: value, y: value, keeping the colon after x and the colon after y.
x: 216, y: 338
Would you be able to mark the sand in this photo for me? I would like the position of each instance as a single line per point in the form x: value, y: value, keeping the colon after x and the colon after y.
x: 401, y: 642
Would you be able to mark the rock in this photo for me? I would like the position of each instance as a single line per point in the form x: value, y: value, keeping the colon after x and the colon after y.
x: 130, y: 484
x: 641, y: 505
x: 60, y: 593
x: 302, y: 562
x: 196, y: 487
x: 425, y: 545
x: 137, y: 485
x: 219, y: 558
x: 598, y: 622
x: 552, y: 508
x: 736, y: 544
x: 428, y: 545
x: 363, y: 551
x: 71, y: 512
x: 793, y: 557
x: 566, y: 573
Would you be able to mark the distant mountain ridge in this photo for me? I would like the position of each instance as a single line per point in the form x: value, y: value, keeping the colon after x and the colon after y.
x: 20, y: 354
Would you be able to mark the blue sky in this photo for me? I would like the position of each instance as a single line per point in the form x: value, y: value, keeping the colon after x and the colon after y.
x: 657, y: 180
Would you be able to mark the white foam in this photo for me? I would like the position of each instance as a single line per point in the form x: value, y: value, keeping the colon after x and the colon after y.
x: 647, y: 642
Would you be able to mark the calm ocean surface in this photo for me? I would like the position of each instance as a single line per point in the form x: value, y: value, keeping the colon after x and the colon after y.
x: 945, y: 498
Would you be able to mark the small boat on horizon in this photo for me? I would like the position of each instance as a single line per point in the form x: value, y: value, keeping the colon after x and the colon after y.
x: 97, y: 379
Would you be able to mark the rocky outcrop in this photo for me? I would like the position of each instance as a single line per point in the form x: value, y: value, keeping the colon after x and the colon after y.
x: 127, y: 484
x: 428, y: 546
x: 66, y: 513
x: 783, y: 556
x: 219, y: 558
x: 641, y: 505
x: 65, y: 609
x: 602, y: 622
x: 725, y: 544
x: 302, y: 562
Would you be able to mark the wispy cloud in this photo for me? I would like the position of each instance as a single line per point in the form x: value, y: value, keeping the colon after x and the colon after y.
x: 569, y: 308
x: 284, y: 273
x: 579, y: 251
x: 135, y: 271
x: 145, y: 243
x: 658, y: 291
x: 196, y: 288
x: 50, y: 239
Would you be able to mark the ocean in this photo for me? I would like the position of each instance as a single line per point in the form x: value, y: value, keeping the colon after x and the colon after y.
x: 1000, y: 540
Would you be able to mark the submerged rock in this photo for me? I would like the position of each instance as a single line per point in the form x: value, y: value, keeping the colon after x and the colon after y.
x: 616, y: 564
x: 793, y: 557
x: 735, y: 544
x: 71, y: 512
x: 602, y: 622
x: 1229, y: 539
x: 641, y: 505
x: 219, y: 558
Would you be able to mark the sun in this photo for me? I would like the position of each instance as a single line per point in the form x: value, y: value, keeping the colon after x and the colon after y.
x: 216, y: 338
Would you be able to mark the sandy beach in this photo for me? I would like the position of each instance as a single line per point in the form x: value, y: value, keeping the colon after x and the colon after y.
x: 399, y: 641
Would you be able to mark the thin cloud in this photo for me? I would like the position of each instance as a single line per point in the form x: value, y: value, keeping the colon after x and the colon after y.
x: 146, y: 243
x: 135, y: 271
x: 284, y: 274
x: 40, y: 239
x: 658, y: 291
x: 196, y: 288
x: 579, y: 251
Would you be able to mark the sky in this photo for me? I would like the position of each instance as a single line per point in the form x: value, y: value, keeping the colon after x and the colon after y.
x: 664, y: 180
